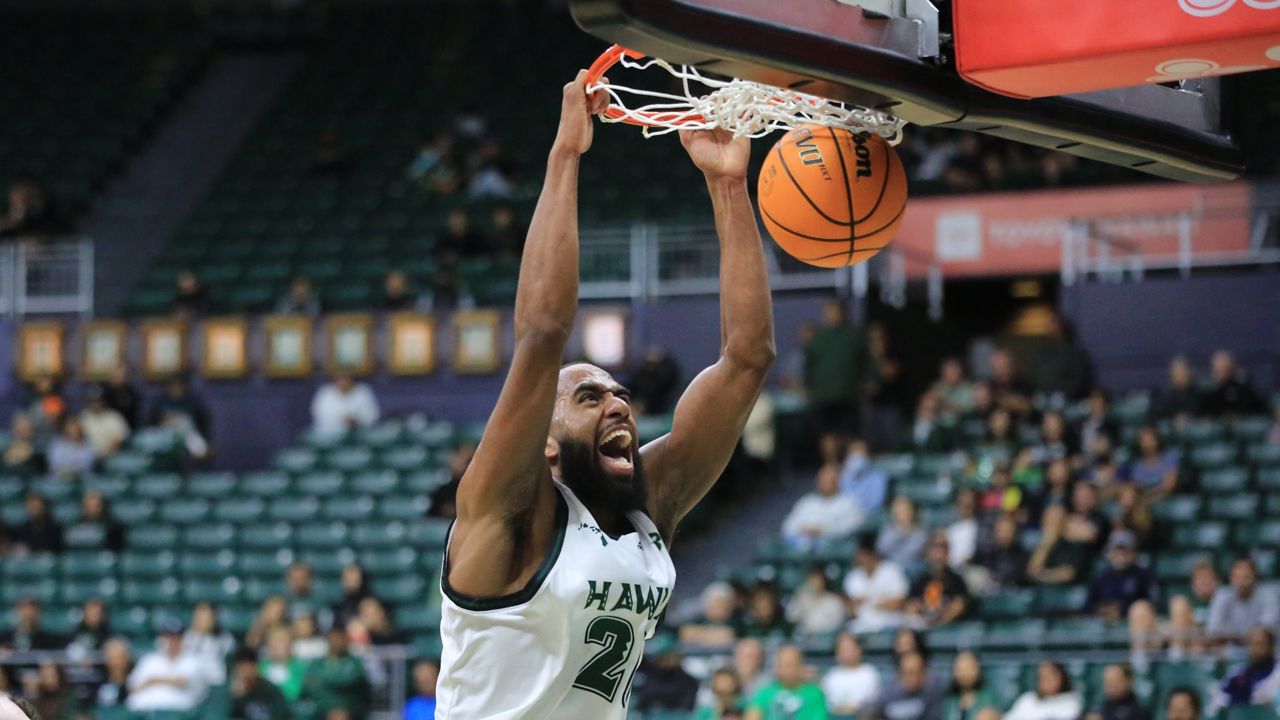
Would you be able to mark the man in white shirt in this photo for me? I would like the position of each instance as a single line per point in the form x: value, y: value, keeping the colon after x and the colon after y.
x: 104, y: 428
x: 822, y: 516
x: 168, y: 679
x: 851, y: 686
x: 962, y: 535
x: 343, y: 404
x: 876, y: 589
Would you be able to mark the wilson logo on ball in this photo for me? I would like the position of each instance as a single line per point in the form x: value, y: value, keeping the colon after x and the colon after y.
x: 864, y: 154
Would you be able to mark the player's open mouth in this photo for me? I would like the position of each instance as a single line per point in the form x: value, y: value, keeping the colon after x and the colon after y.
x: 615, y: 450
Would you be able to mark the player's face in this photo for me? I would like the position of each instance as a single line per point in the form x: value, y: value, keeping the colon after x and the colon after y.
x: 595, y: 434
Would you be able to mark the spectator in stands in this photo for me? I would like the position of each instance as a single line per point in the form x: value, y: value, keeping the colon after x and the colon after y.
x: 166, y: 679
x: 1154, y: 470
x: 308, y: 644
x: 206, y: 640
x: 95, y: 517
x: 396, y: 293
x: 459, y: 240
x: 1058, y: 560
x: 1114, y: 590
x: 717, y: 624
x: 41, y: 532
x: 1118, y: 699
x: 655, y: 383
x: 373, y: 626
x: 876, y: 588
x: 790, y: 695
x: 954, y: 391
x: 1053, y: 698
x: 422, y: 706
x: 355, y: 588
x: 94, y: 628
x: 105, y: 428
x: 117, y: 665
x: 1056, y: 440
x: 1183, y: 704
x: 1086, y: 524
x: 1097, y: 422
x: 852, y: 686
x: 251, y: 697
x: 280, y: 667
x: 962, y: 533
x: 1241, y: 606
x: 1059, y: 486
x: 1004, y: 559
x: 1257, y: 681
x: 902, y: 539
x: 27, y: 633
x: 968, y: 696
x: 759, y: 441
x: 1273, y: 434
x: 342, y: 405
x: 49, y: 693
x: 929, y: 434
x: 300, y: 594
x: 300, y: 300
x: 273, y: 614
x: 1185, y: 631
x: 508, y: 234
x: 1135, y: 515
x: 435, y: 168
x: 22, y: 456
x: 70, y: 453
x: 337, y: 682
x: 495, y: 178
x: 726, y: 699
x: 1229, y: 392
x: 121, y: 396
x: 863, y: 480
x: 1181, y: 399
x: 1063, y: 368
x: 447, y: 292
x: 46, y: 406
x: 792, y: 363
x: 29, y: 212
x: 938, y: 596
x: 662, y: 684
x: 912, y: 694
x: 763, y: 616
x: 16, y: 707
x: 191, y: 299
x: 815, y: 609
x: 748, y: 666
x: 888, y: 395
x: 1000, y: 444
x: 837, y: 365
x: 181, y: 407
x: 1008, y: 391
x: 822, y: 516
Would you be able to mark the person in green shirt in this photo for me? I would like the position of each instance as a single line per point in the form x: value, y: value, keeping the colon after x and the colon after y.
x: 280, y: 667
x: 836, y: 366
x: 253, y: 698
x: 791, y: 696
x: 337, y: 681
x: 968, y: 695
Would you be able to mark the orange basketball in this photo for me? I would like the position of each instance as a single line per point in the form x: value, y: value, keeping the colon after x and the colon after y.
x: 830, y: 197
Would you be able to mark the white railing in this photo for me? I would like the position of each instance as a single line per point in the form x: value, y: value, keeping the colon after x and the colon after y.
x: 46, y: 277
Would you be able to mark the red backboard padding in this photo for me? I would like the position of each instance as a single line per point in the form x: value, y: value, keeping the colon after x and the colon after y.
x: 1038, y: 48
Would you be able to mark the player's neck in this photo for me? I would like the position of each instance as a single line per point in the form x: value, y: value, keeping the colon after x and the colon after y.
x: 613, y: 523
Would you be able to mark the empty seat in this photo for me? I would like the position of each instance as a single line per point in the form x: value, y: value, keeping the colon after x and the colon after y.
x: 265, y: 484
x: 134, y: 512
x: 184, y: 511
x: 88, y: 564
x: 139, y: 564
x: 294, y: 509
x: 267, y: 535
x: 351, y: 508
x: 165, y: 591
x: 380, y: 534
x: 1064, y: 600
x: 400, y: 590
x: 76, y: 592
x: 1236, y: 506
x: 1206, y: 535
x: 1224, y: 480
x: 430, y: 534
x: 239, y: 510
x: 321, y: 483
x: 322, y: 535
x: 404, y: 507
x: 392, y: 561
x: 212, y: 485
x: 376, y: 482
x: 158, y: 486
x: 207, y: 564
x: 268, y: 564
x: 1177, y: 508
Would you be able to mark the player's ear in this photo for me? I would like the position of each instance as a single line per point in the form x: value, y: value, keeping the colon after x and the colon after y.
x: 552, y: 450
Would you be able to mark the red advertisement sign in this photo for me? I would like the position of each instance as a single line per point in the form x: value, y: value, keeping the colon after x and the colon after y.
x: 1036, y: 48
x: 1023, y: 233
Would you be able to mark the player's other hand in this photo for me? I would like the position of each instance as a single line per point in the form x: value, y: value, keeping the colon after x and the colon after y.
x: 717, y: 153
x: 576, y: 109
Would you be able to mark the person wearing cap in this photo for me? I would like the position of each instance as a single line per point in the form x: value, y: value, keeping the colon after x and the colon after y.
x: 105, y: 428
x: 167, y: 679
x: 1123, y: 582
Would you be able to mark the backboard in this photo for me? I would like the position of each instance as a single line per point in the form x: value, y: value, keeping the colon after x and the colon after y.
x: 898, y: 56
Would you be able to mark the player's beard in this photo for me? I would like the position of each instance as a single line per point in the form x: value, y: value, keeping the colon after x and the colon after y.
x: 581, y: 471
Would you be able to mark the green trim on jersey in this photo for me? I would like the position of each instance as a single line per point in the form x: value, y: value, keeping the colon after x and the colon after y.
x: 524, y: 594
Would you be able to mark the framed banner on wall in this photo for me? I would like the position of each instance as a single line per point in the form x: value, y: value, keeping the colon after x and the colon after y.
x: 102, y: 348
x: 413, y: 343
x: 164, y: 348
x: 349, y: 343
x: 40, y: 350
x: 288, y: 346
x: 476, y: 349
x: 226, y: 343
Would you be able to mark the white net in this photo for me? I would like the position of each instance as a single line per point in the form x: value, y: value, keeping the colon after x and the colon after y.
x: 742, y: 107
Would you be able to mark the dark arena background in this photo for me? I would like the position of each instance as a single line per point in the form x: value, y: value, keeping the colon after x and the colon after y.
x: 257, y: 268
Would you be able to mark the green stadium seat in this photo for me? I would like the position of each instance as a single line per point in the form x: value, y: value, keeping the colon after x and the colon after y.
x: 180, y: 511
x: 43, y: 589
x: 958, y: 635
x: 424, y: 482
x: 268, y: 564
x: 1251, y: 429
x: 32, y: 567
x: 265, y: 484
x: 406, y: 458
x: 1202, y: 432
x: 1177, y: 566
x: 131, y: 620
x: 109, y: 486
x: 1264, y: 455
x: 428, y: 534
x: 1004, y: 679
x: 224, y: 591
x: 235, y: 619
x: 151, y: 592
x: 83, y: 565
x: 1237, y: 506
x: 12, y: 489
x: 1250, y: 712
x: 1213, y: 456
x: 239, y: 510
x: 349, y: 508
x: 1007, y: 604
x: 271, y: 536
x: 207, y: 564
x: 1271, y: 504
x: 417, y: 618
x: 1171, y: 675
x: 76, y: 592
x: 376, y: 482
x: 209, y: 536
x: 1061, y: 600
x: 1020, y: 633
x: 349, y: 459
x: 322, y: 535
x: 369, y: 535
x: 1177, y: 509
x: 294, y: 509
x: 212, y: 485
x: 85, y: 536
x: 158, y: 486
x: 321, y: 483
x: 381, y: 435
x: 1268, y: 478
x: 54, y: 490
x: 427, y: 646
x: 403, y: 507
x: 128, y: 463
x: 400, y: 590
x: 395, y: 561
x: 296, y: 460
x: 1080, y: 633
x: 138, y: 564
x: 1224, y: 480
x: 256, y: 590
x: 1205, y: 535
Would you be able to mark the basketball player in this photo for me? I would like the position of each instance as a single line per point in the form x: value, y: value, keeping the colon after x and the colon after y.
x: 557, y: 568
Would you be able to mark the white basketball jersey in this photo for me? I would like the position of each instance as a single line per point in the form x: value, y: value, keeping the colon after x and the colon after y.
x: 567, y: 645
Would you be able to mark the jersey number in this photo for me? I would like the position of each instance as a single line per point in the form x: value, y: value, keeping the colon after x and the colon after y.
x: 604, y: 672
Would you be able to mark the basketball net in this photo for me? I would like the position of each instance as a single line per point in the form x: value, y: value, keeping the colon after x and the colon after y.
x: 742, y: 107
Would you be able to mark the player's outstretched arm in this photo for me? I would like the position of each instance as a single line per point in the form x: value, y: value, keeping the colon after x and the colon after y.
x: 683, y: 465
x: 506, y: 505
